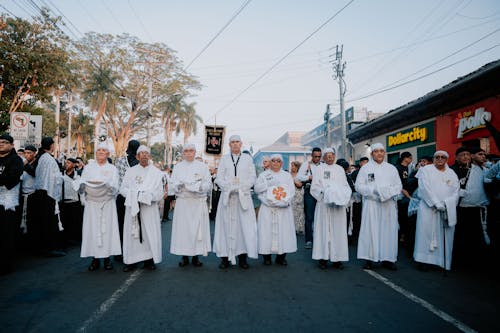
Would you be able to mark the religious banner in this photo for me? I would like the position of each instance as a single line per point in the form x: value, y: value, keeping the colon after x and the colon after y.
x: 214, y: 138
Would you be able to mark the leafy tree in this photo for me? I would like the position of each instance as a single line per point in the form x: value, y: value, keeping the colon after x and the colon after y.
x: 187, y: 121
x: 34, y: 62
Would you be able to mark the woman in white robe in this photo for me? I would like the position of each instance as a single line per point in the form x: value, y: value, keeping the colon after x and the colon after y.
x: 332, y: 192
x: 438, y: 190
x: 275, y: 224
x: 379, y: 184
x: 142, y: 188
x: 191, y: 182
x: 100, y: 234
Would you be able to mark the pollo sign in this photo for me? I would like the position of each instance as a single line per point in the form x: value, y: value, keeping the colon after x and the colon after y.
x: 469, y: 121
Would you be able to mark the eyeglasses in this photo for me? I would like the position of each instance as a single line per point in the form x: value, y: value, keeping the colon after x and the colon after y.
x: 4, y: 142
x: 316, y: 156
x: 440, y: 157
x: 276, y: 161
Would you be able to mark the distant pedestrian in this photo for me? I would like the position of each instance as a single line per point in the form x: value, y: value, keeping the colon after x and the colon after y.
x: 298, y: 199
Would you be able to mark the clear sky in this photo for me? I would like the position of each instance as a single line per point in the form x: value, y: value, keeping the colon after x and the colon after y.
x: 386, y: 42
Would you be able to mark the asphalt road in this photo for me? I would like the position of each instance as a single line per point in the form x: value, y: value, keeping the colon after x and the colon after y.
x: 60, y: 295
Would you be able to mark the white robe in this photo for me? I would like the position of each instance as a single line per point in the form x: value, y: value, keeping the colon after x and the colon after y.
x: 100, y: 234
x: 276, y: 227
x: 332, y: 192
x: 48, y: 177
x: 191, y: 182
x: 235, y: 223
x: 379, y: 184
x: 142, y: 188
x: 435, y: 187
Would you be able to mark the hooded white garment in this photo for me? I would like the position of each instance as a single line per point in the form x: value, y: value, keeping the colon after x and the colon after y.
x: 142, y: 188
x: 98, y: 186
x: 235, y: 222
x: 379, y: 184
x: 48, y: 177
x: 191, y: 183
x: 332, y: 192
x: 436, y: 188
x: 276, y: 227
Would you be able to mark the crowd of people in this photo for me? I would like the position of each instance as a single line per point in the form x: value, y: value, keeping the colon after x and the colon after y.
x: 443, y: 216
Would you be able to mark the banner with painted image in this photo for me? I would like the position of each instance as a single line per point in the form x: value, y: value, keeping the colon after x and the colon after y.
x: 214, y: 138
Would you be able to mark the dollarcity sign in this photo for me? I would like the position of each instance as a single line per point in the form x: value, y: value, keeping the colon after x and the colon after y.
x: 469, y: 121
x: 406, y: 136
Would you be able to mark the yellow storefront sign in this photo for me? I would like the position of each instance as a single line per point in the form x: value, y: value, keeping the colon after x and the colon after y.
x: 417, y: 133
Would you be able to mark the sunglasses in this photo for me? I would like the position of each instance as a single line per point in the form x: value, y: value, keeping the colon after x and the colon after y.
x: 440, y: 157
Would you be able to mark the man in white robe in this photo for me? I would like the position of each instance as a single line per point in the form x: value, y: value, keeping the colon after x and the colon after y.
x: 379, y: 184
x: 332, y: 192
x: 276, y: 228
x: 98, y: 186
x: 191, y: 182
x: 436, y: 217
x: 142, y: 188
x: 235, y: 223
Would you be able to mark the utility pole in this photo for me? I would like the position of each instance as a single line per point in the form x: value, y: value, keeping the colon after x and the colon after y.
x: 150, y: 105
x: 338, y: 74
x: 327, y: 126
x: 70, y: 115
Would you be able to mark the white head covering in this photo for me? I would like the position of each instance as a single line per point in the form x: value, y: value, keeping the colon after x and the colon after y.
x: 266, y: 158
x: 277, y: 156
x: 376, y: 146
x: 234, y: 137
x: 328, y: 150
x: 103, y: 145
x: 441, y: 152
x: 189, y: 146
x: 143, y: 148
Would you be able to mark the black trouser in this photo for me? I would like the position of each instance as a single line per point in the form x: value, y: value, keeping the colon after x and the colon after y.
x: 403, y: 217
x: 72, y: 220
x: 469, y: 245
x: 166, y: 206
x: 356, y: 221
x: 215, y: 203
x: 44, y: 229
x: 309, y: 208
x: 120, y: 211
x: 9, y: 223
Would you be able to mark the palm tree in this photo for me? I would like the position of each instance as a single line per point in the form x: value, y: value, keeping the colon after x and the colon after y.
x: 188, y: 121
x: 97, y: 91
x: 82, y: 131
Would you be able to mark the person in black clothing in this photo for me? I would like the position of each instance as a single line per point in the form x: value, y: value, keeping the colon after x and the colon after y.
x: 11, y: 169
x: 70, y: 206
x: 402, y: 166
x: 357, y: 204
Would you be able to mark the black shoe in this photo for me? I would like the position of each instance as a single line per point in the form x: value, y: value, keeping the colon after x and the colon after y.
x: 280, y: 260
x: 196, y: 262
x: 107, y: 264
x: 129, y: 268
x: 118, y: 258
x: 390, y: 265
x: 338, y: 265
x: 242, y: 261
x: 94, y: 265
x: 149, y: 265
x: 368, y: 265
x: 267, y: 259
x: 224, y: 263
x: 322, y: 264
x: 423, y: 267
x: 184, y: 262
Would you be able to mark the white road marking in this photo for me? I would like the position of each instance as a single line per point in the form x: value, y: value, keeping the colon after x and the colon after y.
x: 106, y: 305
x: 441, y: 314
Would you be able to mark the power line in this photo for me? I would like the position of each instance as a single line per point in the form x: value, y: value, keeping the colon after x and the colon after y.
x: 283, y: 58
x: 112, y: 15
x: 218, y: 33
x: 140, y: 21
x: 442, y: 59
x: 422, y: 76
x: 8, y: 11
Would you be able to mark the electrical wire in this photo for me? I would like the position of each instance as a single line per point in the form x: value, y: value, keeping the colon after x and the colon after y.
x: 283, y: 58
x: 218, y: 33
